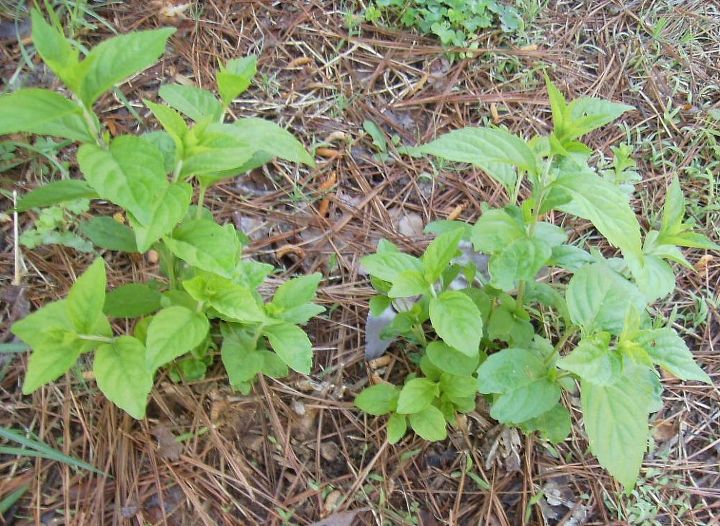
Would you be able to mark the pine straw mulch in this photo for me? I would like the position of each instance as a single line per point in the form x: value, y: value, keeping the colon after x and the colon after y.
x: 296, y: 451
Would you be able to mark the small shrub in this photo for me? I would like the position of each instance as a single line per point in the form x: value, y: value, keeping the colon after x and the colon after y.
x: 481, y: 321
x: 210, y: 293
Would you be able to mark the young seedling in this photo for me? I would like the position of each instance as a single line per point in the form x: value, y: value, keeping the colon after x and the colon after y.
x: 210, y: 293
x: 478, y: 329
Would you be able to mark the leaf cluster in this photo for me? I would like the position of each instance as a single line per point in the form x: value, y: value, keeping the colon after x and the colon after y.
x: 482, y: 319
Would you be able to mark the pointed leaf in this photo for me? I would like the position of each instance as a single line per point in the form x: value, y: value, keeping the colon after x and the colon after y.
x: 458, y: 321
x: 378, y: 400
x: 429, y: 424
x: 173, y: 332
x: 668, y: 350
x: 235, y: 77
x: 196, y: 103
x: 206, y: 245
x: 86, y: 298
x: 54, y: 193
x: 292, y: 345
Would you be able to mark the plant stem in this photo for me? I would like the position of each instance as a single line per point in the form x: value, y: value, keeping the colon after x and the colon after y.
x: 94, y: 338
x: 200, y: 201
x: 176, y: 172
x: 569, y: 333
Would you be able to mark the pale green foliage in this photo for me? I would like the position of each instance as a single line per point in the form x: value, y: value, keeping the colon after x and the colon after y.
x: 208, y: 285
x: 481, y: 336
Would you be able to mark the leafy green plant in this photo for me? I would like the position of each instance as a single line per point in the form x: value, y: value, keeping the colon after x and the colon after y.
x: 483, y: 317
x: 210, y: 294
x: 455, y: 22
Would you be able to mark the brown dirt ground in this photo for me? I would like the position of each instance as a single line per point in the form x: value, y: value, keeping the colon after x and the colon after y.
x: 296, y: 451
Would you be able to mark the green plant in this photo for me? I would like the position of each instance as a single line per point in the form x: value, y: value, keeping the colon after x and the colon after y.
x: 455, y: 22
x: 210, y: 294
x: 496, y: 329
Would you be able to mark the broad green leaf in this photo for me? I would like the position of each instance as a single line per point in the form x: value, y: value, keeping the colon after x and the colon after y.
x: 213, y: 151
x: 458, y: 387
x: 668, y: 350
x: 196, y: 103
x: 451, y: 360
x: 605, y: 205
x: 56, y: 50
x: 121, y: 375
x: 506, y: 325
x: 86, y: 298
x: 593, y: 361
x: 166, y: 213
x: 429, y: 424
x: 416, y: 395
x: 105, y: 232
x: 495, y: 230
x: 588, y: 113
x: 297, y: 291
x: 551, y: 234
x: 570, y: 257
x: 164, y: 142
x: 55, y: 193
x: 48, y: 363
x: 172, y: 332
x: 235, y: 77
x: 521, y: 260
x: 230, y: 300
x: 42, y: 112
x: 387, y: 265
x: 396, y: 428
x: 131, y: 174
x: 132, y: 301
x: 654, y: 277
x: 266, y: 136
x: 616, y: 421
x: 458, y: 321
x: 689, y: 239
x: 520, y: 379
x: 292, y: 345
x: 378, y: 400
x: 206, y: 245
x: 598, y: 298
x: 408, y: 283
x: 241, y: 358
x: 116, y: 59
x: 492, y: 149
x: 553, y: 425
x: 273, y: 366
x: 301, y: 314
x: 439, y: 253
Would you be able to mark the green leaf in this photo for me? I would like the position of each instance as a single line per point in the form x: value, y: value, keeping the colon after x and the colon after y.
x: 457, y: 388
x: 493, y: 150
x: 598, y: 298
x: 116, y: 59
x: 408, y: 283
x: 269, y: 138
x: 605, y: 205
x: 439, y: 253
x: 616, y: 421
x: 230, y: 300
x: 131, y: 174
x: 173, y: 332
x: 166, y: 144
x: 396, y: 428
x: 235, y: 77
x: 132, y: 301
x: 429, y: 424
x: 387, y: 265
x: 121, y: 375
x: 212, y: 152
x: 56, y: 50
x: 297, y: 291
x: 416, y: 395
x: 594, y: 361
x: 196, y: 103
x: 105, y: 232
x: 292, y: 345
x: 172, y: 122
x: 42, y: 112
x: 273, y: 366
x: 166, y: 213
x: 521, y: 260
x: 553, y: 425
x: 241, y: 358
x: 558, y: 105
x: 495, y: 230
x: 54, y: 193
x: 458, y: 321
x: 521, y: 380
x: 674, y: 208
x: 451, y: 360
x: 301, y: 314
x: 668, y: 350
x: 206, y: 245
x: 588, y: 113
x: 378, y: 400
x: 654, y: 277
x: 86, y: 298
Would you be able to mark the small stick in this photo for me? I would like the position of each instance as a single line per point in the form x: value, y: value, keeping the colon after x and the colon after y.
x: 16, y: 241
